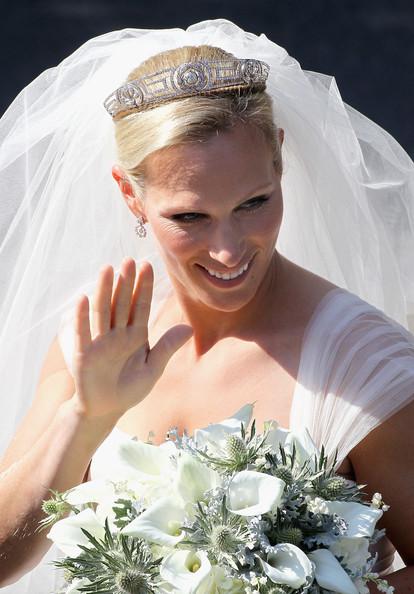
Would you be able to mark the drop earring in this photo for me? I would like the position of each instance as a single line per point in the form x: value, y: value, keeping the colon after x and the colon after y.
x: 140, y: 228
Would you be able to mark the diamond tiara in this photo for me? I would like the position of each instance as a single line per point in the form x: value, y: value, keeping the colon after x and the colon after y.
x: 190, y: 78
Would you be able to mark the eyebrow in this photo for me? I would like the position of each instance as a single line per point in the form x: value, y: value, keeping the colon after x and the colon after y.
x: 258, y: 191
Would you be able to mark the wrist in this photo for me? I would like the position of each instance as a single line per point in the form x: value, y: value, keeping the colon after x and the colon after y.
x: 72, y: 411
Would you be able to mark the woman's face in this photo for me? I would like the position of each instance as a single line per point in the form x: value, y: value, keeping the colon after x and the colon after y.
x: 215, y: 209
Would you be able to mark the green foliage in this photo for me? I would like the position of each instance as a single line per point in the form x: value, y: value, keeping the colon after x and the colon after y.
x: 239, y: 453
x: 221, y: 534
x: 55, y: 508
x: 117, y: 564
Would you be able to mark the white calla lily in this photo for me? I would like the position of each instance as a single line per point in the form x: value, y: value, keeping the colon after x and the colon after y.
x: 305, y: 447
x: 193, y: 478
x: 215, y: 436
x: 166, y: 588
x: 160, y: 523
x: 252, y: 493
x: 361, y: 519
x: 147, y: 468
x: 91, y: 492
x: 287, y: 565
x: 100, y: 491
x: 103, y: 492
x: 275, y: 435
x: 185, y: 570
x: 67, y: 533
x: 144, y: 461
x: 217, y: 582
x: 330, y: 574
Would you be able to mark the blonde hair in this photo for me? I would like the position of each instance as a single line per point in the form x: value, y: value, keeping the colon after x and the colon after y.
x: 188, y: 119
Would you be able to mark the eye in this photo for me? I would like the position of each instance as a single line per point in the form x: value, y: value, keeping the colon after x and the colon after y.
x: 254, y: 203
x: 194, y: 217
x: 187, y: 217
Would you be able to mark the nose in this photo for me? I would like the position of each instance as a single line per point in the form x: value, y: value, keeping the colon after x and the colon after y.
x: 227, y: 245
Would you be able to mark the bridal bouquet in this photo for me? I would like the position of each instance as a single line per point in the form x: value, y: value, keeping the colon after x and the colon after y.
x: 224, y: 511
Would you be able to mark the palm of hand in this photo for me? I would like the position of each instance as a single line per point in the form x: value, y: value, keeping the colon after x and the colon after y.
x: 116, y: 369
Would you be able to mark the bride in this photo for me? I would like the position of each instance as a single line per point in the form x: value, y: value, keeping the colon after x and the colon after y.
x: 277, y: 223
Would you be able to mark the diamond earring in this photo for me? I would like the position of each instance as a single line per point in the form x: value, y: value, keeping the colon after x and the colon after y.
x: 140, y: 228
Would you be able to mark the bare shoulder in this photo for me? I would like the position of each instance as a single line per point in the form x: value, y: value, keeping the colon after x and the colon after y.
x: 55, y: 385
x: 383, y: 461
x: 394, y: 434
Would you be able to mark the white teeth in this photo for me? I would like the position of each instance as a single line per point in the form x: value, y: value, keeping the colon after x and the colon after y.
x: 228, y: 275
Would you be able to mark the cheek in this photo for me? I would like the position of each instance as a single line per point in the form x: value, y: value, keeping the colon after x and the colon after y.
x: 173, y: 241
x: 266, y: 223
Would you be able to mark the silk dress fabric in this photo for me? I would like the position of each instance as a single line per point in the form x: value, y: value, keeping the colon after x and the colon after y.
x: 355, y: 360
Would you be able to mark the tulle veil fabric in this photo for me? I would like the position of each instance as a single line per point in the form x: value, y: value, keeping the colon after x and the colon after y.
x: 348, y: 216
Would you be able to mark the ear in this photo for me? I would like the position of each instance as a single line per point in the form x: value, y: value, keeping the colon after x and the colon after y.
x: 281, y: 134
x: 133, y: 202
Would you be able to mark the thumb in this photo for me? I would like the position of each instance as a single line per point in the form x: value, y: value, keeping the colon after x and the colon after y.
x: 167, y: 345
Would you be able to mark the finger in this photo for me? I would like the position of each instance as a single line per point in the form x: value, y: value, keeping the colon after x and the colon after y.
x: 82, y: 325
x: 102, y: 301
x: 121, y: 300
x: 142, y: 297
x: 167, y: 345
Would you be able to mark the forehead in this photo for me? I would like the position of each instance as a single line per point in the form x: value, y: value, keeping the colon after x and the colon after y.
x: 232, y: 162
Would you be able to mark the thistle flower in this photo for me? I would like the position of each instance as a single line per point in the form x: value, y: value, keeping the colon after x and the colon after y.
x: 116, y: 564
x: 55, y: 508
x: 230, y: 451
x: 284, y: 473
x: 132, y: 581
x: 236, y: 447
x: 290, y: 534
x: 222, y: 535
x: 328, y: 485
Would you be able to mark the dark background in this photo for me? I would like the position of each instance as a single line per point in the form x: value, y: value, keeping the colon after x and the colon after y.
x: 368, y: 45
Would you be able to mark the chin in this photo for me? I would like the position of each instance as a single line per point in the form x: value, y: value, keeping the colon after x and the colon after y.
x: 226, y: 306
x: 234, y: 300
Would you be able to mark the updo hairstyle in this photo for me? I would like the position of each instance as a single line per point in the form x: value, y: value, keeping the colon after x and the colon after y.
x: 189, y: 119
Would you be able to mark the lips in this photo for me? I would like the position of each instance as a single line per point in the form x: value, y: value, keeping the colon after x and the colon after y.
x: 228, y: 275
x: 227, y: 278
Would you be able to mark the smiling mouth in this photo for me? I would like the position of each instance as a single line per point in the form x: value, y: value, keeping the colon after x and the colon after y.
x: 227, y: 276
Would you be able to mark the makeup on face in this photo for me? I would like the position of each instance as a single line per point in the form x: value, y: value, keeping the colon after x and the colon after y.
x: 216, y: 231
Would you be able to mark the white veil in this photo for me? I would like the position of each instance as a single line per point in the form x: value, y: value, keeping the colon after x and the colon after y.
x: 348, y: 195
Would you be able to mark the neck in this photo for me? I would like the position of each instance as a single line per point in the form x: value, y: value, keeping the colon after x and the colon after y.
x: 210, y: 325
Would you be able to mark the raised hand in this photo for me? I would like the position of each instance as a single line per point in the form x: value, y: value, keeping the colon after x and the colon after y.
x: 113, y: 366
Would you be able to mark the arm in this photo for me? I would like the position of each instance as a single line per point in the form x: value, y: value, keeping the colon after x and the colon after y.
x: 383, y: 461
x: 113, y: 369
x: 38, y: 459
x: 58, y: 460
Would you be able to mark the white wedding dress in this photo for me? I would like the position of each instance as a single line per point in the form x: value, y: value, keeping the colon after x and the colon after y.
x: 355, y: 361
